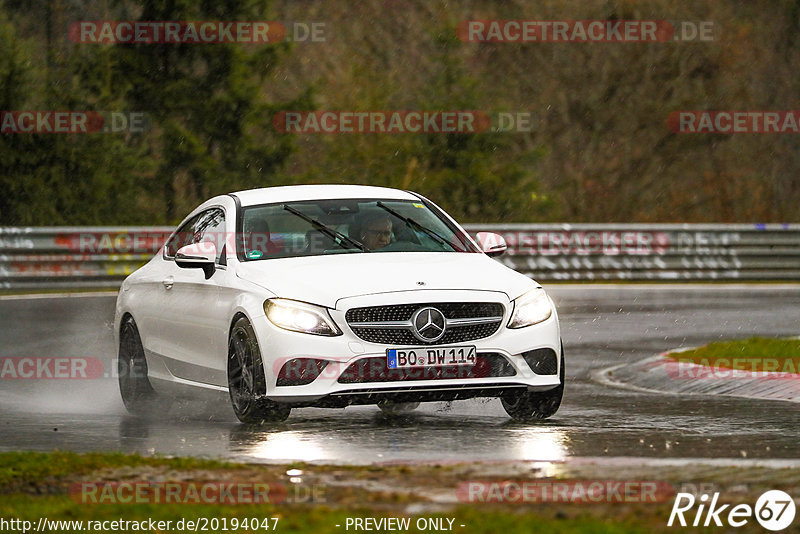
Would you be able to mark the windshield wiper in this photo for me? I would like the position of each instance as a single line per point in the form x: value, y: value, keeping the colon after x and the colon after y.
x: 337, y: 237
x: 411, y: 222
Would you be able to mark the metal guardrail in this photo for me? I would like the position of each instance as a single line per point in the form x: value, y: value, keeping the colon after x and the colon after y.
x: 52, y: 257
x: 75, y: 256
x: 659, y: 252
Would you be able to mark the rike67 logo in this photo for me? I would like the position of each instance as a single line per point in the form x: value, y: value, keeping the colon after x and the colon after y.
x: 774, y: 510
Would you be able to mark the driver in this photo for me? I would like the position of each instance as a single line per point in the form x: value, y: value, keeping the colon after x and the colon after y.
x: 374, y: 230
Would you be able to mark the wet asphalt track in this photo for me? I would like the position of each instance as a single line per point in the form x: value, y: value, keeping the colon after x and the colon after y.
x: 602, y: 326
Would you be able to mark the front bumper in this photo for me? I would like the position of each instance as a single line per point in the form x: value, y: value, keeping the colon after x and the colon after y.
x: 335, y: 387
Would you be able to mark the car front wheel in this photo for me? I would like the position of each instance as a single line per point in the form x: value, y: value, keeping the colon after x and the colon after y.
x: 534, y: 405
x: 246, y: 381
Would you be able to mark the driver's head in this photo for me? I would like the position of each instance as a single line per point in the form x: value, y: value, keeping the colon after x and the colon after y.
x: 375, y: 230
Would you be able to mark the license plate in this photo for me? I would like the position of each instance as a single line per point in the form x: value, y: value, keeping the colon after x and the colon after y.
x: 430, y: 357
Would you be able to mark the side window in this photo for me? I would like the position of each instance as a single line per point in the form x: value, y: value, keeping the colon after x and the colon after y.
x: 181, y: 238
x: 208, y: 226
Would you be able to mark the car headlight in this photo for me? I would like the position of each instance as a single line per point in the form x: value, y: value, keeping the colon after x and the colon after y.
x: 300, y: 317
x: 531, y: 308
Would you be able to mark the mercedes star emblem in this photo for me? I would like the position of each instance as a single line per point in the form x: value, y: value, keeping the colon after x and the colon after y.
x: 429, y: 324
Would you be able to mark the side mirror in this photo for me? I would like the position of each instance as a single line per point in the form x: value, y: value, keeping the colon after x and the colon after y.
x: 491, y: 244
x: 198, y: 256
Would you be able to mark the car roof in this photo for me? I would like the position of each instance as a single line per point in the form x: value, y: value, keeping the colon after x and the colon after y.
x: 293, y: 193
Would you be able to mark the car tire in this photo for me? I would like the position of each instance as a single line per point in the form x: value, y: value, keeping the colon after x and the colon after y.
x: 246, y: 379
x: 534, y: 405
x: 135, y: 389
x: 398, y: 408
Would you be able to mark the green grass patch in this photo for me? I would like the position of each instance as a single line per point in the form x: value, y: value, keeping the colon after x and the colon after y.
x: 43, y: 485
x: 756, y: 354
x: 30, y: 468
x: 37, y: 485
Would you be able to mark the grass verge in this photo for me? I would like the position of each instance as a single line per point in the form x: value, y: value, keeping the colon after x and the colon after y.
x: 323, y: 498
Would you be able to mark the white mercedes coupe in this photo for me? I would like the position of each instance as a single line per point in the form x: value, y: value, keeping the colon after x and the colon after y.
x: 333, y: 295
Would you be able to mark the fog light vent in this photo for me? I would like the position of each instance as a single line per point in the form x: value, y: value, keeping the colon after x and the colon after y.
x: 542, y: 361
x: 300, y: 371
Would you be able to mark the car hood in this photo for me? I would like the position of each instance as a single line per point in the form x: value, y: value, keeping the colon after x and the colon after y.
x: 324, y: 280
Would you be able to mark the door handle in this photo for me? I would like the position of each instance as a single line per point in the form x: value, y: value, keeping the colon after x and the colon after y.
x: 168, y: 282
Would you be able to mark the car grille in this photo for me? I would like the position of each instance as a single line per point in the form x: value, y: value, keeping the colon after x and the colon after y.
x: 386, y: 324
x: 375, y: 369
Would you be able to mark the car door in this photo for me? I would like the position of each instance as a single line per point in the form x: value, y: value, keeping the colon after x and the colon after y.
x: 194, y: 321
x: 149, y: 296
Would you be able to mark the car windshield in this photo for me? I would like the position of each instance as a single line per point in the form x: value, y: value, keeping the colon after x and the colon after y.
x: 311, y: 228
